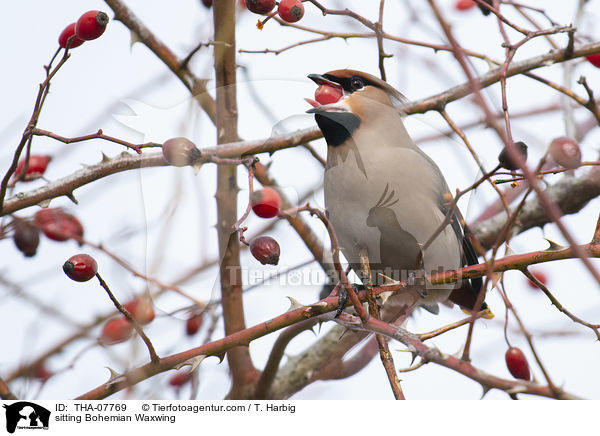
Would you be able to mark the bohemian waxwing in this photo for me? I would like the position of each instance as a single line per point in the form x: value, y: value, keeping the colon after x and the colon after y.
x: 383, y: 195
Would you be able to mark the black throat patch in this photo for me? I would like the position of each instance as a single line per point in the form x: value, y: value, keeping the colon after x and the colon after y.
x: 337, y: 127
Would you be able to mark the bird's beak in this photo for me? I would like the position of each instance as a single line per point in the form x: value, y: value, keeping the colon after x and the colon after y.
x: 338, y: 106
x: 320, y: 80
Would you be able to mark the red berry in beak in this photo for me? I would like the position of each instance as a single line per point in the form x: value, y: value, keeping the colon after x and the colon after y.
x: 91, y: 25
x: 266, y: 250
x: 266, y: 202
x: 327, y: 94
x: 64, y: 36
x: 81, y: 267
x: 517, y: 363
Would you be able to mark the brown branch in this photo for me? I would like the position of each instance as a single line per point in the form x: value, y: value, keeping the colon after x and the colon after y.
x: 487, y: 381
x: 243, y: 373
x: 329, y: 304
x: 439, y: 101
x: 27, y: 137
x: 98, y: 135
x: 570, y: 194
x: 556, y: 303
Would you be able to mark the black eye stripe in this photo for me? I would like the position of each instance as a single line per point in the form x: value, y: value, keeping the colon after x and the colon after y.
x: 346, y: 82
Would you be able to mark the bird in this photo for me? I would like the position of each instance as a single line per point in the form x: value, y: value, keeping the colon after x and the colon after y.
x: 384, y: 197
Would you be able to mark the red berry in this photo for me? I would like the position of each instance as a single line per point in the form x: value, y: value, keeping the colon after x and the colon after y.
x: 64, y: 36
x: 594, y: 59
x: 290, y: 10
x: 260, y: 6
x: 180, y: 378
x: 26, y: 237
x: 80, y: 267
x: 193, y: 323
x: 41, y: 373
x: 116, y: 330
x: 140, y: 309
x: 463, y: 5
x: 517, y: 363
x: 265, y: 249
x: 565, y: 152
x: 505, y: 159
x: 58, y: 225
x: 180, y: 151
x: 91, y: 25
x: 207, y: 3
x: 265, y: 202
x: 37, y: 166
x: 326, y: 94
x: 540, y: 276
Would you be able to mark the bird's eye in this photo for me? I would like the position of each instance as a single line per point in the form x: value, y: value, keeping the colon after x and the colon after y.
x: 356, y: 83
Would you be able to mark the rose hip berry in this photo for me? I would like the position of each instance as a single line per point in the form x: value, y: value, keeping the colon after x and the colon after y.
x: 265, y: 249
x: 180, y: 151
x: 265, y: 202
x: 260, y: 6
x: 26, y: 237
x: 565, y: 152
x: 41, y: 373
x: 140, y: 309
x: 116, y: 330
x: 180, y: 378
x: 37, y: 166
x: 67, y: 33
x: 517, y: 363
x: 326, y: 94
x: 540, y: 277
x: 58, y: 225
x: 594, y: 59
x: 290, y: 10
x: 81, y: 267
x: 505, y: 159
x: 91, y: 25
x: 464, y: 5
x: 193, y: 323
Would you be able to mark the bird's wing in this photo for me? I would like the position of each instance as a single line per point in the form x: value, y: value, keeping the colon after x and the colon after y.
x: 469, y: 254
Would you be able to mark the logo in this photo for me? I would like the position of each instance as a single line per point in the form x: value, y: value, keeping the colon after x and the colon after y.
x: 26, y: 415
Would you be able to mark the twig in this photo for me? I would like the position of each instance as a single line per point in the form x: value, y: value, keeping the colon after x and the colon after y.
x: 26, y: 138
x: 559, y: 306
x: 153, y: 356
